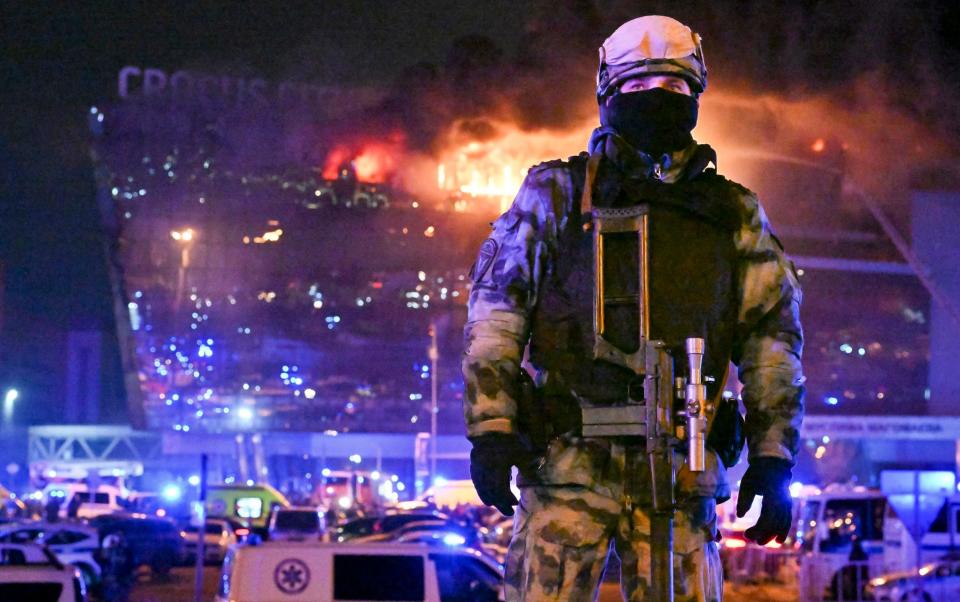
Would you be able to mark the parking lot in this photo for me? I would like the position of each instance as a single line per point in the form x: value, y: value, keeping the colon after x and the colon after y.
x: 180, y: 587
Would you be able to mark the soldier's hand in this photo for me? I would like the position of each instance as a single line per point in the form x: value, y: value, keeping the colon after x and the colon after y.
x: 491, y: 463
x: 769, y: 478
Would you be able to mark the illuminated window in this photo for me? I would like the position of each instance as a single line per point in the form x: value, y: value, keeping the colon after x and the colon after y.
x: 249, y: 507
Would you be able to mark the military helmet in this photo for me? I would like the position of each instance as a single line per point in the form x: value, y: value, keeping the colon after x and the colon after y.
x: 651, y: 45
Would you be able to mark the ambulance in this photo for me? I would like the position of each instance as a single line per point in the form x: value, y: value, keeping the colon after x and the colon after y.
x: 277, y: 571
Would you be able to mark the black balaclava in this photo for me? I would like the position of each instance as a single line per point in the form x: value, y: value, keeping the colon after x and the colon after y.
x: 654, y: 121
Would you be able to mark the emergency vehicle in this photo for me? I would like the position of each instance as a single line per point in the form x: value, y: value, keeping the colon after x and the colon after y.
x: 334, y: 572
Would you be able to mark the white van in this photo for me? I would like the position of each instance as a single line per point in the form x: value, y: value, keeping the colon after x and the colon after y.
x: 278, y: 571
x: 105, y: 500
x: 828, y: 526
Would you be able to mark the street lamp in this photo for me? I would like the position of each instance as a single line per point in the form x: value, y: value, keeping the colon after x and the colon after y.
x: 185, y: 238
x: 9, y: 398
x: 434, y: 354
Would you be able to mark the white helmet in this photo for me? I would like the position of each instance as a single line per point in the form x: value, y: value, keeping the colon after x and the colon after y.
x: 651, y: 45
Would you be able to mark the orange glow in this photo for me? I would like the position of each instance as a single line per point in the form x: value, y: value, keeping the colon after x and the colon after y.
x: 734, y: 543
x: 494, y: 168
x: 818, y: 145
x: 373, y: 163
x: 337, y: 157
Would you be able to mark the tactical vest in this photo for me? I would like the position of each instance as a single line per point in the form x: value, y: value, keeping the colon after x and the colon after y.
x: 693, y: 286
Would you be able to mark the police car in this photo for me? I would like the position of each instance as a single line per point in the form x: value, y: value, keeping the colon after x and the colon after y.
x: 31, y: 572
x: 71, y: 542
x: 331, y: 572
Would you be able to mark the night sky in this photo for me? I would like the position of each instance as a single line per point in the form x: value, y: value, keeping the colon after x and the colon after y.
x: 59, y: 59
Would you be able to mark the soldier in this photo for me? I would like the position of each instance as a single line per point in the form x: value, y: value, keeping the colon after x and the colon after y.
x: 716, y: 271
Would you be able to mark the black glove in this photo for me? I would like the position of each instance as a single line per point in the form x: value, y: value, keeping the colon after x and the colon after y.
x: 491, y: 461
x: 770, y: 478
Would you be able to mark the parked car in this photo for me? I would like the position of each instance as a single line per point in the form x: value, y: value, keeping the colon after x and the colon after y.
x: 324, y: 572
x: 446, y: 533
x: 940, y: 581
x: 72, y: 543
x: 153, y: 541
x: 31, y: 572
x: 354, y: 528
x: 384, y: 524
x: 218, y: 537
x: 297, y: 523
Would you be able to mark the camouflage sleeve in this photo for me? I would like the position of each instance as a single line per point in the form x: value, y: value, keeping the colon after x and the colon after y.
x: 506, y: 278
x: 770, y: 341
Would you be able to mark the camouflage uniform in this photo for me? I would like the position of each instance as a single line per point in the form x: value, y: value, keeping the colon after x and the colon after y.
x: 573, y: 507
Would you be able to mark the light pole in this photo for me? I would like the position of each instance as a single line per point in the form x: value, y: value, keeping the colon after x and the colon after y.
x: 9, y: 398
x: 434, y: 354
x: 185, y: 238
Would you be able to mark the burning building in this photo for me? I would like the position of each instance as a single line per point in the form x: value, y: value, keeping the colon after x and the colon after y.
x: 282, y: 253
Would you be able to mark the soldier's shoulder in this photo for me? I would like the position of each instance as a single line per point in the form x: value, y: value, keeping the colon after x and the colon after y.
x: 559, y: 167
x: 742, y: 200
x: 734, y: 187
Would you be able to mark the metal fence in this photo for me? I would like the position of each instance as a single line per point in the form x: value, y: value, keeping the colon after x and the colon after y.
x: 824, y: 579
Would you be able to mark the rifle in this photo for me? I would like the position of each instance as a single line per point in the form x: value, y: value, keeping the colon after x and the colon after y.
x: 647, y: 419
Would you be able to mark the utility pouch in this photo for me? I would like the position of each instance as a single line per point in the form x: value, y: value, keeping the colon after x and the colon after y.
x: 532, y: 418
x: 726, y: 433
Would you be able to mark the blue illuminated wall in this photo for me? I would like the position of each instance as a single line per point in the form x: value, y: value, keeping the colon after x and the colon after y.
x: 936, y: 241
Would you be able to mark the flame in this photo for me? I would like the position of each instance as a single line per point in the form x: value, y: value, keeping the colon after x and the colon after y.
x: 372, y: 164
x: 494, y: 168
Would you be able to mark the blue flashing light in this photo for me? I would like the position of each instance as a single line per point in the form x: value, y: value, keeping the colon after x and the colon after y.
x: 439, y: 481
x: 172, y: 492
x: 846, y: 348
x: 831, y: 401
x: 454, y: 539
x: 194, y: 480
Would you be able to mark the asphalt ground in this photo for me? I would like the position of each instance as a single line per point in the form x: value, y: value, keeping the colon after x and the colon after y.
x: 179, y: 588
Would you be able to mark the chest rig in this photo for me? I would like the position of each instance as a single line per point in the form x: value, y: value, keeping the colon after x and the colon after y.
x: 640, y: 306
x: 621, y: 336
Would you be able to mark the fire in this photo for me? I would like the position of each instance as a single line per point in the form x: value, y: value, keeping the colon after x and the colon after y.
x: 373, y: 164
x: 494, y: 168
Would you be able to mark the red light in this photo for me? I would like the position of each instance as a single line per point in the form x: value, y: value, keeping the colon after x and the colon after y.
x: 243, y: 532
